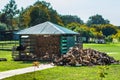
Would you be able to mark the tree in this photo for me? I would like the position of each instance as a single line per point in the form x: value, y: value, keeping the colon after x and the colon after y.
x: 73, y: 26
x: 46, y: 13
x: 108, y: 30
x: 24, y: 17
x: 55, y: 17
x: 97, y: 19
x: 10, y: 11
x: 97, y: 31
x: 37, y: 16
x: 69, y: 19
x: 117, y: 35
x: 3, y: 18
x: 85, y: 32
x: 40, y: 12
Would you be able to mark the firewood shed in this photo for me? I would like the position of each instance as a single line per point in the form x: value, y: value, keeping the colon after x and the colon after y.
x: 44, y: 41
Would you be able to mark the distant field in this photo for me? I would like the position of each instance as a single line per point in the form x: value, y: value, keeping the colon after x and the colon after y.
x: 111, y: 49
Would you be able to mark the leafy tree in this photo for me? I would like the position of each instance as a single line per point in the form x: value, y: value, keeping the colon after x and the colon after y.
x: 10, y: 11
x: 73, y: 26
x: 40, y: 12
x: 98, y: 35
x: 24, y: 18
x: 55, y: 17
x: 20, y: 19
x: 117, y: 35
x: 108, y: 30
x: 3, y: 18
x: 67, y: 19
x: 47, y: 13
x: 96, y: 27
x: 85, y: 32
x: 97, y: 19
x: 37, y: 16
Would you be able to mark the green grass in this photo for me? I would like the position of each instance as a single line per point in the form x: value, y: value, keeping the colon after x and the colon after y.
x: 77, y: 73
x: 111, y: 49
x: 70, y: 73
x: 10, y: 64
x: 7, y: 45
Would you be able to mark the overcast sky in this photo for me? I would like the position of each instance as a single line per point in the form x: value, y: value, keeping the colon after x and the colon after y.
x: 109, y: 9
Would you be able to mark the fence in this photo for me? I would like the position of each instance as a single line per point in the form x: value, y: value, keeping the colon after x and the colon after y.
x: 8, y: 45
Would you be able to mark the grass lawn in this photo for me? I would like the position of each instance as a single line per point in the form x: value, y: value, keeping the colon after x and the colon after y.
x: 111, y: 49
x: 70, y: 73
x: 8, y: 44
x: 10, y: 64
x: 78, y: 73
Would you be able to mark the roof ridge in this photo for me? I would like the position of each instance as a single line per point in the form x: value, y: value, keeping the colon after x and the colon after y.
x: 56, y: 27
x: 46, y: 28
x: 43, y: 28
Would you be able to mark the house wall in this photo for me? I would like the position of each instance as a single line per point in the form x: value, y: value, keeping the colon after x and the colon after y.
x: 67, y: 41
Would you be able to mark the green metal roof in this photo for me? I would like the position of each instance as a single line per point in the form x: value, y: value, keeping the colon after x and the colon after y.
x: 46, y: 28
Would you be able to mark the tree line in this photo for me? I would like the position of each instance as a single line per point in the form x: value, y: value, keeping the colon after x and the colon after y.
x: 12, y: 18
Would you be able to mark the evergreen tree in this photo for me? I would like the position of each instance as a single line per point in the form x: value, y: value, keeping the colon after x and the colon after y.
x: 10, y: 11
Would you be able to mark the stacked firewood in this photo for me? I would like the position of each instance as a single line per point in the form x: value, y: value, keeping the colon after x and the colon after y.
x: 84, y: 57
x: 47, y: 46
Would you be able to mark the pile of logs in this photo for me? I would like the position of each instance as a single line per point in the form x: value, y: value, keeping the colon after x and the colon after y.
x: 47, y: 46
x: 84, y: 57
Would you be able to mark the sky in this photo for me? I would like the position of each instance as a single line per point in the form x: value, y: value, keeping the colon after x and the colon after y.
x: 109, y: 9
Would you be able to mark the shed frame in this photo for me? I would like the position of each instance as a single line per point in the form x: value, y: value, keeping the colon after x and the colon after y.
x: 45, y: 45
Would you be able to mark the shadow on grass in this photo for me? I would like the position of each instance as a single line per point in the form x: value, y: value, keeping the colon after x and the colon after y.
x: 5, y: 49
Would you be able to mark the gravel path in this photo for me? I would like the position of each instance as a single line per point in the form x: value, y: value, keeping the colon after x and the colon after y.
x: 10, y: 73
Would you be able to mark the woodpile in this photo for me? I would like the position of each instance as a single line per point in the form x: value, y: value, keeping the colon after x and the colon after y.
x: 47, y: 46
x: 84, y: 57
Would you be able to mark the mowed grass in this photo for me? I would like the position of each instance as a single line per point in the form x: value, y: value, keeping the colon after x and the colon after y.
x: 108, y: 48
x: 78, y: 73
x: 10, y: 64
x: 70, y: 73
x: 111, y: 49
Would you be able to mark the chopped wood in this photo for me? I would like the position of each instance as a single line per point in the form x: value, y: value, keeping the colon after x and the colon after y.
x: 84, y: 57
x: 47, y: 47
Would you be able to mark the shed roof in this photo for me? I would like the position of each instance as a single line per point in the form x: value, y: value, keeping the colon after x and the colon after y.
x: 46, y: 28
